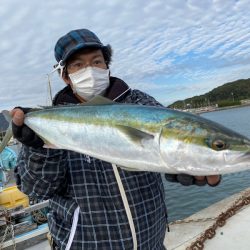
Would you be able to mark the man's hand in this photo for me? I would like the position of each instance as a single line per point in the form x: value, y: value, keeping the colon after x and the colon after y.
x: 21, y: 132
x: 212, y: 180
x: 188, y: 180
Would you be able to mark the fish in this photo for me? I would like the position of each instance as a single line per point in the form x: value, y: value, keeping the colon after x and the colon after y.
x: 142, y: 138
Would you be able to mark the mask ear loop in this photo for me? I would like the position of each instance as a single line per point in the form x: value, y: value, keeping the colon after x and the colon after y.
x: 57, y: 67
x: 60, y: 66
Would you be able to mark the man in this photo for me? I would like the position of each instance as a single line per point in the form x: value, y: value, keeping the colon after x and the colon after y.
x: 87, y: 205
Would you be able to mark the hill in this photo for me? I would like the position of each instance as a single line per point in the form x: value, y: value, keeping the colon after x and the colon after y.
x: 228, y: 94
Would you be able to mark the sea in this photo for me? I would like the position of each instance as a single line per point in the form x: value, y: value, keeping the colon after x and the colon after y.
x: 183, y: 201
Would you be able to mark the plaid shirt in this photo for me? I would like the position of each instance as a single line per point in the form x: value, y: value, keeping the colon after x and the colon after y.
x: 70, y: 179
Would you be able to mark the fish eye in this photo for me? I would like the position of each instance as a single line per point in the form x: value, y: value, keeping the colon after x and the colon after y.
x: 219, y: 145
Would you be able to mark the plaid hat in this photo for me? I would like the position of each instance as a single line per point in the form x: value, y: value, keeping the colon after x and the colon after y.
x: 73, y: 41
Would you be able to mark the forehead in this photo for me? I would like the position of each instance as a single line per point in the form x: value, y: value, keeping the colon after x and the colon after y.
x: 85, y: 54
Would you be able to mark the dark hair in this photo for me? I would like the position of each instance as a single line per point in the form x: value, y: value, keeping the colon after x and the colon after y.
x: 107, y: 54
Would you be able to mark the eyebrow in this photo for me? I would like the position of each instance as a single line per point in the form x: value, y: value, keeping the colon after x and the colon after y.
x: 95, y: 56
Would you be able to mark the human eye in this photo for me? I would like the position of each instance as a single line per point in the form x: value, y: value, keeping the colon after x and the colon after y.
x: 98, y: 61
x: 75, y: 65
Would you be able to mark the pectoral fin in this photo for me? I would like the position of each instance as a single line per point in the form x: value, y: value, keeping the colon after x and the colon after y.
x: 135, y: 135
x: 49, y: 145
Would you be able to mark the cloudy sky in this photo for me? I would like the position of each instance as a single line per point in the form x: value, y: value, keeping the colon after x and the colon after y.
x: 171, y: 49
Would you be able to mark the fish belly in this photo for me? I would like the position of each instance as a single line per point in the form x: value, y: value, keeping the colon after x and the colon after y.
x: 103, y: 142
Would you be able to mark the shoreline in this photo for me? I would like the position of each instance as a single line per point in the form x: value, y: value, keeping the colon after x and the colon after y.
x: 214, y: 109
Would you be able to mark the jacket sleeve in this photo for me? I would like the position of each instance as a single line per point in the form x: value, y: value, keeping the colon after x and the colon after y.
x: 41, y: 173
x: 141, y: 98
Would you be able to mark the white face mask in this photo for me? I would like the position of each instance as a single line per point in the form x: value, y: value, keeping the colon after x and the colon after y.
x: 89, y: 82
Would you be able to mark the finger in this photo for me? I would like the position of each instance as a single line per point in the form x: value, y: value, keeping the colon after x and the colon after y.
x: 213, y: 180
x: 185, y: 179
x: 18, y: 117
x: 171, y: 177
x: 200, y: 180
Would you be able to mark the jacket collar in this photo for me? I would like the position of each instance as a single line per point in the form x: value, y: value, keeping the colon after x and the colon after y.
x: 117, y: 90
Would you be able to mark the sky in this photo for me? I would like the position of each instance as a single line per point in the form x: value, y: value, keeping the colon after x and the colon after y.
x: 170, y: 49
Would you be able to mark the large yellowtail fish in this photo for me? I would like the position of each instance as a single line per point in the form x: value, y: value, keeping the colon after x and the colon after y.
x: 143, y: 138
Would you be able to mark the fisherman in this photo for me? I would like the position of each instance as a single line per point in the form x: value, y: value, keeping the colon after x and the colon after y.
x: 93, y: 204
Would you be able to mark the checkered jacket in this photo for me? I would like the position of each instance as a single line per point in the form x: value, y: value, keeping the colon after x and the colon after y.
x: 70, y: 179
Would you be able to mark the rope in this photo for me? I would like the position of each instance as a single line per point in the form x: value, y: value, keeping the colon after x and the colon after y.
x: 8, y: 230
x: 126, y: 205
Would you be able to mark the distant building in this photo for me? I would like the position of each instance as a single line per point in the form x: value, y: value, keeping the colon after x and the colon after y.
x: 246, y: 101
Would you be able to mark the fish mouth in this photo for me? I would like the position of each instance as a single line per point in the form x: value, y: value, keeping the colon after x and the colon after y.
x: 236, y: 158
x: 247, y: 142
x: 246, y: 157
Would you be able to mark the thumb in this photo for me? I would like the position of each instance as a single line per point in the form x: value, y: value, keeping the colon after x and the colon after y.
x: 18, y: 117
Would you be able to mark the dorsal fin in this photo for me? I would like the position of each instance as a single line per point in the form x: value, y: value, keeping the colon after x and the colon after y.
x: 97, y: 100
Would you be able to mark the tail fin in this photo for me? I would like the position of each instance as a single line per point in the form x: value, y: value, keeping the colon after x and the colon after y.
x: 9, y: 133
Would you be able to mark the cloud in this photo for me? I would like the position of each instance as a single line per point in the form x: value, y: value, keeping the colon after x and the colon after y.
x: 200, y: 44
